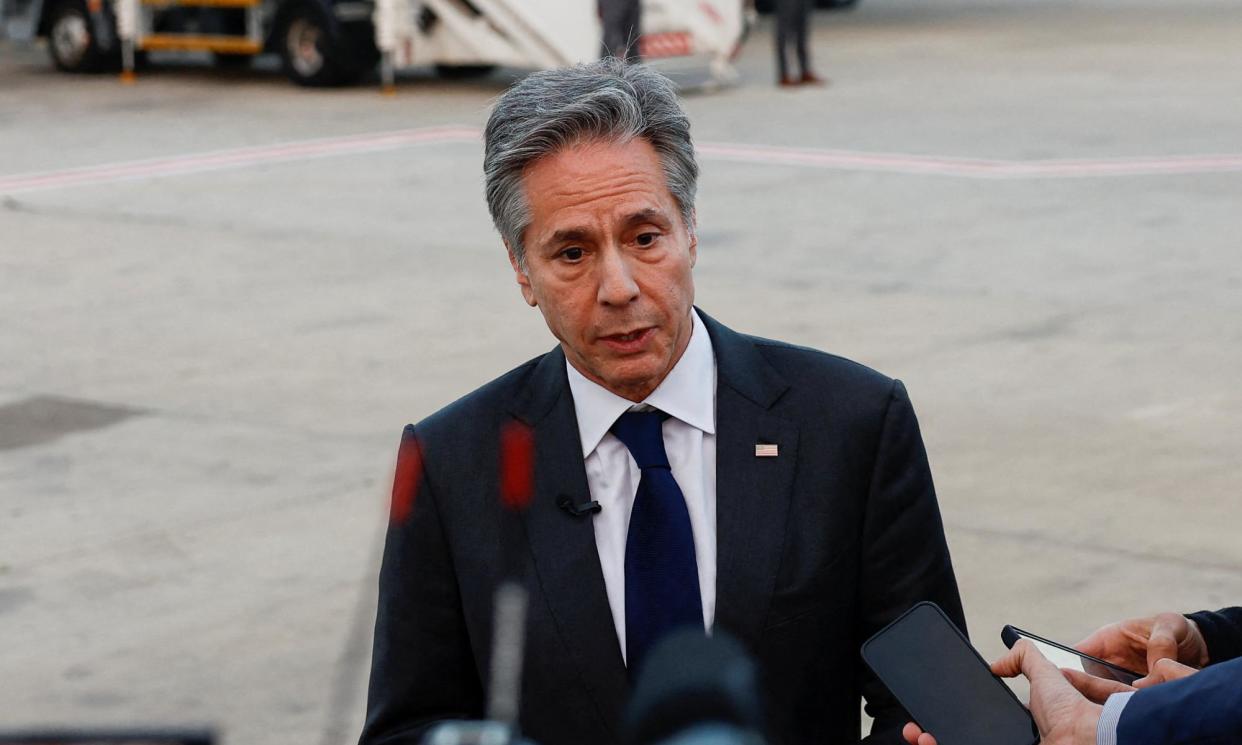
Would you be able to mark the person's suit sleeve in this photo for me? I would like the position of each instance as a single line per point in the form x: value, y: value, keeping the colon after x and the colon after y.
x: 905, y: 558
x: 1222, y: 630
x: 1203, y: 709
x: 422, y: 670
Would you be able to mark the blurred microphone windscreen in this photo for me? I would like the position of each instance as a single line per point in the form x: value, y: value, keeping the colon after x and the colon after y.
x: 689, y: 680
x: 517, y: 465
x: 405, y: 482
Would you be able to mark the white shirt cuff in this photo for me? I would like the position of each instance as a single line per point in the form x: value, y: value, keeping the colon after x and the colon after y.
x: 1106, y: 732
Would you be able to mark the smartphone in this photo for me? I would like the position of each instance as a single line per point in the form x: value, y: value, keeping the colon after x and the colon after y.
x: 1064, y: 656
x: 949, y: 690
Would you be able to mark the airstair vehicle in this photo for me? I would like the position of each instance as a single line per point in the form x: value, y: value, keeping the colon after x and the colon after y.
x: 333, y: 42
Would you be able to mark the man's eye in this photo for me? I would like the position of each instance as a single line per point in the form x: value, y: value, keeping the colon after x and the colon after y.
x: 646, y: 239
x: 572, y: 254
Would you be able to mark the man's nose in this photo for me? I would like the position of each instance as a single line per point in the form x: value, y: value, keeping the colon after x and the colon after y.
x: 616, y: 280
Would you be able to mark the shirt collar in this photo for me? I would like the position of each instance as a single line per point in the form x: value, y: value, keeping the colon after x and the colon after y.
x: 688, y: 392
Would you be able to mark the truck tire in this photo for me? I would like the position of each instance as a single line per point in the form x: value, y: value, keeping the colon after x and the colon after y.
x: 71, y: 39
x: 316, y: 51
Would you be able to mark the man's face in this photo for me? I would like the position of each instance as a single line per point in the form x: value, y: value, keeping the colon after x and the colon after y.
x: 608, y: 262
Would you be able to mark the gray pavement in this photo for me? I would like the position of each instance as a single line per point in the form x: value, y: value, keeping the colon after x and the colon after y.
x: 205, y: 373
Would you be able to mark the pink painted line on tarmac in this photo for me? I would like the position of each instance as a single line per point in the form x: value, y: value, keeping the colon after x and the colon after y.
x: 849, y: 160
x: 235, y: 158
x: 1174, y: 165
x: 839, y: 160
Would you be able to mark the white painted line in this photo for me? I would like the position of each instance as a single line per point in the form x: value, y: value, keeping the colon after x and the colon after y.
x: 836, y: 160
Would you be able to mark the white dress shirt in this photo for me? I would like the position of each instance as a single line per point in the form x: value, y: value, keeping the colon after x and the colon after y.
x: 1110, y: 718
x: 688, y: 396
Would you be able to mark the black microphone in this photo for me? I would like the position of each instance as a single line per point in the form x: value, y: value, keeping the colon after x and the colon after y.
x: 696, y: 690
x: 565, y: 502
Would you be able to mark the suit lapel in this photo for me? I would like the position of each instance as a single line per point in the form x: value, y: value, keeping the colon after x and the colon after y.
x: 563, y: 546
x: 752, y: 492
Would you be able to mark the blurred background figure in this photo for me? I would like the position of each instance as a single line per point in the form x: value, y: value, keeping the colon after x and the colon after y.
x: 792, y: 28
x: 622, y: 22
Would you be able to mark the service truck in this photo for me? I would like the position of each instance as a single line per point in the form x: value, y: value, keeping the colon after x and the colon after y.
x: 334, y: 42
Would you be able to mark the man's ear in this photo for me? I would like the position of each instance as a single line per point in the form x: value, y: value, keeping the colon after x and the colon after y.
x: 523, y: 281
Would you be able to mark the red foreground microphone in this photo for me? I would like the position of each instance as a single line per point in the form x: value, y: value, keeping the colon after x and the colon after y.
x: 517, y: 489
x: 511, y: 600
x: 405, y: 483
x: 517, y: 465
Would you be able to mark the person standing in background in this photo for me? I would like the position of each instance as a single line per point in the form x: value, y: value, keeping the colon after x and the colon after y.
x: 792, y: 28
x: 622, y: 22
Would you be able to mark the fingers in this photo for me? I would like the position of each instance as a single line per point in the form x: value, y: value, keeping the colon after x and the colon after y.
x: 1024, y: 658
x: 1167, y: 631
x: 910, y: 733
x: 1193, y: 650
x: 1097, y: 643
x: 915, y: 736
x: 1123, y: 643
x: 1096, y: 689
x: 1163, y: 671
x: 1140, y: 642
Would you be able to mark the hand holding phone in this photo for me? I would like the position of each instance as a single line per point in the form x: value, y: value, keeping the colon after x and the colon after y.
x: 1062, y: 713
x: 1064, y: 656
x: 1140, y: 643
x: 934, y: 673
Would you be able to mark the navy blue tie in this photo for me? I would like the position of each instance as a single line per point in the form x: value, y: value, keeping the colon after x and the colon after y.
x: 661, y: 574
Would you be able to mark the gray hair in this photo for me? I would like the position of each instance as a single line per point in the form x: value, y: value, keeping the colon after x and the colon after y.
x: 604, y: 100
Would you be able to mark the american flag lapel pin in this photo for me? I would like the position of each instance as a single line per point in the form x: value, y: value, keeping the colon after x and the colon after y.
x: 766, y: 450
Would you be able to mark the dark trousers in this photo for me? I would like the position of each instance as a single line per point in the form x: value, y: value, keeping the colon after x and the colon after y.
x: 792, y: 26
x: 622, y: 21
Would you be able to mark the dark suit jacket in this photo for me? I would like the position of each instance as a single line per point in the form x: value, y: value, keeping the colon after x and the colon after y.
x: 818, y: 548
x: 1222, y: 630
x: 1203, y: 709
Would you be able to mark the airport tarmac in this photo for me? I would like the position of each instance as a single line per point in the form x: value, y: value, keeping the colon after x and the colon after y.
x: 224, y: 297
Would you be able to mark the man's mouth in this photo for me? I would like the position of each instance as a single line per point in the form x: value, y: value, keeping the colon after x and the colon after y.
x: 627, y: 337
x: 629, y: 341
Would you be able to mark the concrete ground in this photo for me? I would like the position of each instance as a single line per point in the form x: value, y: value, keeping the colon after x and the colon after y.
x: 1027, y: 211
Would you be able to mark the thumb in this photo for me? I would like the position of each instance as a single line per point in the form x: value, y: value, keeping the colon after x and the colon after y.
x: 1161, y: 642
x: 1164, y: 671
x: 1024, y: 658
x: 1009, y: 665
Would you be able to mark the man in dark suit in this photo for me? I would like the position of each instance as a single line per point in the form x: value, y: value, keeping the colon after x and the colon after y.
x: 1176, y: 704
x: 771, y: 491
x: 621, y: 23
